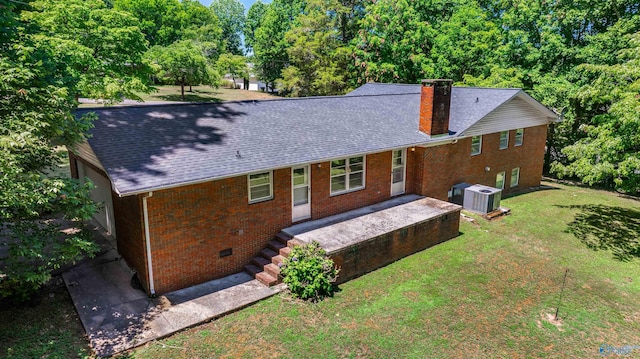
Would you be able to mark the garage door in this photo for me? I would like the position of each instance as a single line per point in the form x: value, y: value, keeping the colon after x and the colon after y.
x: 101, y: 193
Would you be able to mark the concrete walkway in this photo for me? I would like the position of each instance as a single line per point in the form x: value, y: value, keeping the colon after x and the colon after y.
x: 117, y: 317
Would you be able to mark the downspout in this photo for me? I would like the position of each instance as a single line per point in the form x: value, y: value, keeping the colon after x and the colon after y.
x: 145, y: 213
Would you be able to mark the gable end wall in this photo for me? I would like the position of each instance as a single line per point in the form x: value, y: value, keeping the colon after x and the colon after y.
x: 443, y: 166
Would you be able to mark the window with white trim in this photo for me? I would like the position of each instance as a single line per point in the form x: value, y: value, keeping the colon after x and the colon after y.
x: 515, y: 177
x: 500, y: 180
x: 260, y: 186
x: 504, y: 140
x: 519, y: 137
x: 347, y: 174
x: 476, y: 145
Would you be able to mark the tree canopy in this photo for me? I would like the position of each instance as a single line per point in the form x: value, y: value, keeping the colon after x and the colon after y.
x: 231, y: 15
x: 101, y: 49
x: 252, y: 22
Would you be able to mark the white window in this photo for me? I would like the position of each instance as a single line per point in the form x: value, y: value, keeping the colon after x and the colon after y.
x: 500, y: 180
x: 347, y: 174
x: 504, y: 139
x: 519, y: 137
x: 476, y: 145
x: 260, y: 187
x: 515, y: 177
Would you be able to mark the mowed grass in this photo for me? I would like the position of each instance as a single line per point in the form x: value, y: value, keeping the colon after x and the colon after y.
x: 168, y: 93
x: 204, y: 94
x: 48, y: 327
x: 488, y: 293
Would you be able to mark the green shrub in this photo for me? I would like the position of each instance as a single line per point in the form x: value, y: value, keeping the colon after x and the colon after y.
x: 309, y: 272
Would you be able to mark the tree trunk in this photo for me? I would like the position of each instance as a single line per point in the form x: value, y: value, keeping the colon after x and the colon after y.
x: 190, y: 89
x: 182, y: 88
x: 234, y: 81
x: 551, y: 146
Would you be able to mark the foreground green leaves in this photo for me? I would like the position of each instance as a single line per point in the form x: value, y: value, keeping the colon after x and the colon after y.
x: 37, y: 90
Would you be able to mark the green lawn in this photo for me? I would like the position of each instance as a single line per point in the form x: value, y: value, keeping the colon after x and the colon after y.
x: 204, y: 94
x: 198, y: 94
x: 47, y: 328
x: 488, y: 293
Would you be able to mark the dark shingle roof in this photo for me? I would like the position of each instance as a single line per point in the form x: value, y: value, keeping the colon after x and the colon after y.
x: 468, y: 104
x: 145, y: 148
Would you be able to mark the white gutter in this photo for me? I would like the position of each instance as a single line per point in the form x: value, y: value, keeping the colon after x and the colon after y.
x: 145, y: 213
x: 313, y: 161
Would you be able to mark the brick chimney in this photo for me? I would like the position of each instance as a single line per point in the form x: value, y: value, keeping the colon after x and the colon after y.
x: 435, y: 103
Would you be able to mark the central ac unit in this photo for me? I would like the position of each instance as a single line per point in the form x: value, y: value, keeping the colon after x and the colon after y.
x: 481, y: 199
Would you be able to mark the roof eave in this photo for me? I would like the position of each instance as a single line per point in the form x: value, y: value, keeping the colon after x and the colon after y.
x: 121, y: 194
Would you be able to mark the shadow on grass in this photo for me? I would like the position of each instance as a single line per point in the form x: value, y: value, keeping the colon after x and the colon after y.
x: 602, y: 227
x: 189, y: 97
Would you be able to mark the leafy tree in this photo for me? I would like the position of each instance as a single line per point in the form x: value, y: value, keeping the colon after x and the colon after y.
x: 465, y: 44
x: 270, y: 45
x: 100, y: 48
x: 609, y: 154
x: 252, y: 22
x: 394, y: 43
x: 159, y: 20
x: 202, y: 26
x: 234, y: 65
x: 231, y: 15
x: 36, y: 114
x: 183, y: 63
x: 318, y: 59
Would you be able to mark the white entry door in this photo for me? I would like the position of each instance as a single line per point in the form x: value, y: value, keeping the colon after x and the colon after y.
x: 301, y: 192
x: 398, y: 163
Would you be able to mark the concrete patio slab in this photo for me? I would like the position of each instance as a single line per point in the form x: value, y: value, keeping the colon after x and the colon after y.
x: 309, y: 226
x: 368, y: 238
x: 347, y: 229
x: 118, y: 317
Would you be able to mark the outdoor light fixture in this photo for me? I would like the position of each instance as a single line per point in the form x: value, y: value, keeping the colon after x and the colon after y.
x: 487, y: 169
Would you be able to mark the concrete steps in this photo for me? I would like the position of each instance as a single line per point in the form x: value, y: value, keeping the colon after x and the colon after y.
x: 266, y: 266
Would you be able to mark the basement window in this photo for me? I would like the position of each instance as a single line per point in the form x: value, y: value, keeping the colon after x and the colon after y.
x: 515, y: 177
x: 347, y: 174
x: 519, y: 137
x: 260, y: 187
x: 500, y: 180
x: 504, y: 140
x: 476, y: 145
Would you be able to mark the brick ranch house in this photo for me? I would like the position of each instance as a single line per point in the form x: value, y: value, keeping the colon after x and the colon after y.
x: 193, y: 192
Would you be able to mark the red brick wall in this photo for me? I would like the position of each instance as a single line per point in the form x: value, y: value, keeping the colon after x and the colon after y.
x: 446, y: 165
x: 190, y: 225
x: 377, y: 187
x: 426, y: 108
x: 382, y: 250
